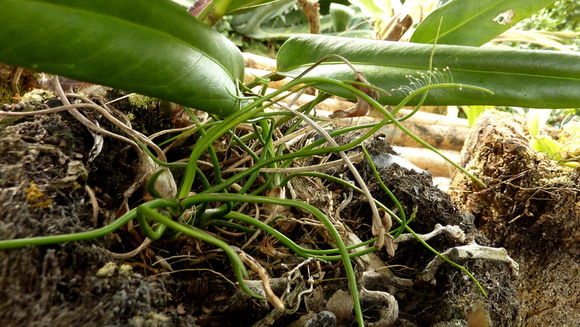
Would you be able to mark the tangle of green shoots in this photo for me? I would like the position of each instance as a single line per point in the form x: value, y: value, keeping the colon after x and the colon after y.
x: 167, y: 212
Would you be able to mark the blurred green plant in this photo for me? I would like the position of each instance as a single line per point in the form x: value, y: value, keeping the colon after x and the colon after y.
x: 560, y: 21
x: 562, y: 15
x: 282, y: 19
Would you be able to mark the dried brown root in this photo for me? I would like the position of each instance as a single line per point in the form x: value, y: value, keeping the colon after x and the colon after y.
x: 385, y: 304
x: 470, y: 251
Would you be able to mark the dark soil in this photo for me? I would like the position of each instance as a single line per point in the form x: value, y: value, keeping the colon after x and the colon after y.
x: 453, y: 297
x: 43, y: 175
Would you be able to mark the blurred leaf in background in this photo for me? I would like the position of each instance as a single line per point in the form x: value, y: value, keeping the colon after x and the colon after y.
x: 474, y: 22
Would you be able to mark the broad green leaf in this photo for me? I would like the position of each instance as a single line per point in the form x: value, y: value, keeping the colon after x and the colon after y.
x: 474, y: 22
x: 154, y: 48
x: 525, y: 78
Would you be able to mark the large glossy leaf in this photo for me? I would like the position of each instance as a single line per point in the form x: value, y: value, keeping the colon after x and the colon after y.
x: 474, y: 22
x: 151, y: 47
x: 526, y: 78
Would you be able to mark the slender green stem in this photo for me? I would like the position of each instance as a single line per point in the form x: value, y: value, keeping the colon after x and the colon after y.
x: 150, y: 185
x: 394, y: 216
x: 225, y: 223
x: 304, y: 252
x: 304, y: 152
x: 412, y: 135
x: 190, y: 201
x: 386, y: 189
x: 88, y: 235
x: 237, y: 264
x: 243, y: 145
x: 190, y: 131
x: 217, y: 131
x: 212, y: 154
x: 142, y: 214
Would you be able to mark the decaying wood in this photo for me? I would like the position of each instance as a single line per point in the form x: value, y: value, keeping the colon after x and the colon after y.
x: 531, y: 207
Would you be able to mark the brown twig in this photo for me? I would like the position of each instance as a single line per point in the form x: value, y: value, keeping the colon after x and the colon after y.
x: 310, y: 8
x: 272, y: 298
